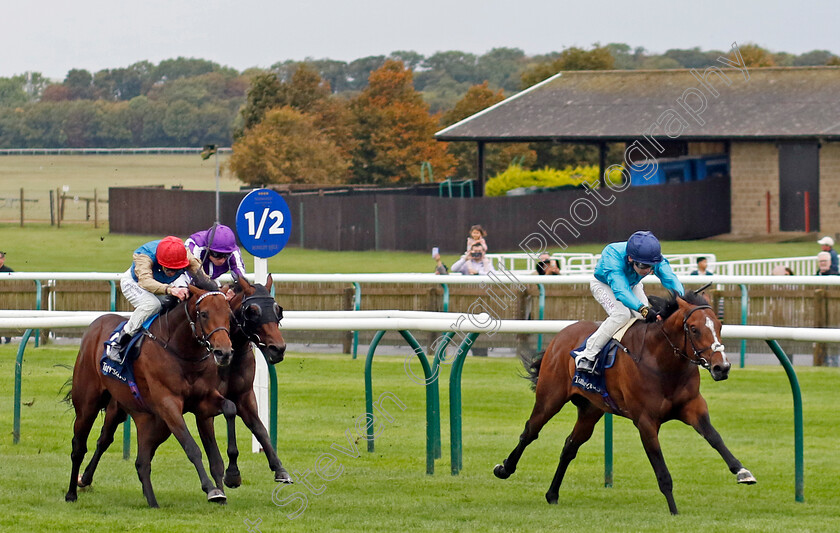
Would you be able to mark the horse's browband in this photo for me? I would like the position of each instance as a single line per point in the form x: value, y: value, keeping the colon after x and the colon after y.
x: 206, y: 294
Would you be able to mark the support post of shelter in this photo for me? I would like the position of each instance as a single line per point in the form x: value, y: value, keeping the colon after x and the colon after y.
x: 480, y: 169
x: 602, y: 165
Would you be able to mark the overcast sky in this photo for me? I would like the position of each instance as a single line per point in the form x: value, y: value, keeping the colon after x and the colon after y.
x: 54, y: 36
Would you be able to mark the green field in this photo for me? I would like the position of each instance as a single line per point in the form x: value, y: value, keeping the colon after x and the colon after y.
x: 321, y: 396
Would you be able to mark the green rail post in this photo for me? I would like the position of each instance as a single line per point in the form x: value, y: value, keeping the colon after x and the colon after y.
x: 456, y: 444
x: 369, y: 384
x: 113, y: 295
x: 38, y: 308
x: 300, y: 204
x: 357, y: 304
x: 127, y: 437
x: 376, y: 226
x: 745, y: 302
x: 445, y: 297
x: 608, y: 450
x: 440, y: 350
x: 541, y: 288
x: 798, y: 437
x: 18, y: 380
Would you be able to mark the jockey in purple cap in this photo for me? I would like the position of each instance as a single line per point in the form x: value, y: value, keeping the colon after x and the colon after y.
x: 217, y: 251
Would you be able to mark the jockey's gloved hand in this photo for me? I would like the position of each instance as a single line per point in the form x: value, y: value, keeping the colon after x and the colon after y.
x: 650, y: 314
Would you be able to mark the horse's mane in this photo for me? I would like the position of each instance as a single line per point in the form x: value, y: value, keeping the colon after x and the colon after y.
x: 669, y: 306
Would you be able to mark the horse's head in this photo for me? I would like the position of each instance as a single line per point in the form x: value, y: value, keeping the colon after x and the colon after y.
x: 209, y: 316
x: 258, y: 315
x: 700, y: 329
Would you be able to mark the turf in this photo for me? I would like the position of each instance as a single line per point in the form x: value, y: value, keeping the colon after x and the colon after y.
x: 321, y: 397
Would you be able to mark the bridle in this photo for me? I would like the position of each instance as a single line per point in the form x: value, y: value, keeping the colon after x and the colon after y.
x: 202, y: 338
x: 246, y: 325
x: 697, y: 358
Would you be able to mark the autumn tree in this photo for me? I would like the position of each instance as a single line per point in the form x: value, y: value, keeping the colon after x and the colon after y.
x: 497, y: 156
x: 394, y: 131
x: 287, y: 147
x: 599, y: 58
x: 754, y: 56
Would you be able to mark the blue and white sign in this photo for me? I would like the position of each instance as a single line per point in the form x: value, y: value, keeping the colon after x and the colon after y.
x: 263, y: 222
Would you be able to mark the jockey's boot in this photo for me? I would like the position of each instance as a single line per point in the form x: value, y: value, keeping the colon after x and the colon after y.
x: 114, y: 345
x: 585, y: 363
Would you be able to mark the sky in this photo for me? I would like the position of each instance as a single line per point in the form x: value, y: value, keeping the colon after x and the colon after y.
x: 54, y: 36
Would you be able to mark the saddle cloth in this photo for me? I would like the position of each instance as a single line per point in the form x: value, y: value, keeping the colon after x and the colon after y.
x: 124, y: 371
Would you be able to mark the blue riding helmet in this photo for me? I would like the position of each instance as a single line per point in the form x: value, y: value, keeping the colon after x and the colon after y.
x: 644, y: 247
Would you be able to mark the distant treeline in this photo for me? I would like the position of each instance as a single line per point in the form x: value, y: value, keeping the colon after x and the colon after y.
x: 190, y: 102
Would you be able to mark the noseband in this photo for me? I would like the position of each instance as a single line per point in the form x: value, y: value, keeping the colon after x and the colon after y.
x: 697, y: 358
x: 201, y: 337
x: 248, y: 326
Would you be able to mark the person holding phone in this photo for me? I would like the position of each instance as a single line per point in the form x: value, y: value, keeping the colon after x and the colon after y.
x: 440, y: 268
x: 474, y: 262
x: 547, y: 266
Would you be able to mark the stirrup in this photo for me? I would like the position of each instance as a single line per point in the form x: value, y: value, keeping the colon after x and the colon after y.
x: 582, y: 364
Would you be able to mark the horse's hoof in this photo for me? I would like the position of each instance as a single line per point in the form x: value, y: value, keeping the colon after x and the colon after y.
x: 80, y: 483
x: 216, y: 496
x: 500, y: 472
x: 281, y: 476
x: 552, y: 498
x: 746, y: 477
x: 70, y: 497
x: 233, y: 481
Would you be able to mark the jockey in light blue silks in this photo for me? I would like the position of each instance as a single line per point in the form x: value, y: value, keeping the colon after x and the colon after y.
x: 618, y: 289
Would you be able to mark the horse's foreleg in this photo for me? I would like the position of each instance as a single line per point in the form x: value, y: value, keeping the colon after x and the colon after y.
x: 151, y: 432
x: 545, y: 407
x: 208, y: 439
x: 649, y: 432
x: 247, y: 409
x: 588, y: 416
x: 114, y: 416
x: 696, y: 414
x: 232, y: 477
x: 171, y: 415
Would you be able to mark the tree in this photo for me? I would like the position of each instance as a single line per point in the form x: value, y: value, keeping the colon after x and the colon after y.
x: 394, y: 130
x: 12, y: 93
x: 813, y: 58
x: 693, y: 57
x: 79, y: 83
x: 287, y: 147
x: 359, y: 71
x: 498, y: 156
x: 599, y: 58
x: 264, y: 94
x: 754, y: 56
x: 502, y: 67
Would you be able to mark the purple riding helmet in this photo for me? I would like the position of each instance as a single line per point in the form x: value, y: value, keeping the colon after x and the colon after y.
x: 223, y: 240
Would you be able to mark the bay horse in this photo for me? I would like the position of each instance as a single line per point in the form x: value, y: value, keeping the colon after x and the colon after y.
x: 658, y: 380
x: 256, y: 318
x: 174, y: 374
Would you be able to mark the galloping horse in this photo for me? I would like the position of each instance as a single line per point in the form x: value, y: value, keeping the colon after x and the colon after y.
x: 256, y: 319
x: 657, y: 381
x: 174, y: 375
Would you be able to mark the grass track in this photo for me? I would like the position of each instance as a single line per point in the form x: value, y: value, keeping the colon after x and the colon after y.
x: 321, y: 395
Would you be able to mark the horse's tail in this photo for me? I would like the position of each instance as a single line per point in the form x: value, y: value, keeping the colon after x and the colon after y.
x: 532, y: 367
x: 68, y: 397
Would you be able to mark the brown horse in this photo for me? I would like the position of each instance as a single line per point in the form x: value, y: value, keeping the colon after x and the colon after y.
x: 657, y: 381
x: 256, y: 318
x: 174, y: 375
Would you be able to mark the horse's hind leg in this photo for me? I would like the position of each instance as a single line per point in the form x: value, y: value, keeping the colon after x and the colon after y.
x: 207, y: 432
x: 85, y: 416
x: 232, y: 477
x: 151, y: 432
x: 247, y: 410
x: 546, y: 406
x: 114, y: 416
x: 588, y: 416
x: 696, y: 414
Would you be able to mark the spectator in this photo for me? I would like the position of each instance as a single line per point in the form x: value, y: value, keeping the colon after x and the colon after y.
x: 827, y: 245
x: 781, y: 270
x: 440, y: 268
x: 547, y: 266
x: 825, y: 268
x: 4, y: 268
x: 474, y: 262
x: 702, y: 263
x: 477, y: 235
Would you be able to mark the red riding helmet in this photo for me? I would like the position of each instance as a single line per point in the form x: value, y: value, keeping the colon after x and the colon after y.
x: 171, y: 253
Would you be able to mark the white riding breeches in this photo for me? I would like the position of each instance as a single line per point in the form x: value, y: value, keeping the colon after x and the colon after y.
x: 145, y: 303
x: 619, y: 315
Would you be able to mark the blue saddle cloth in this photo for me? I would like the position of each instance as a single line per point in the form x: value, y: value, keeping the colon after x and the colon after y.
x: 124, y: 371
x: 592, y: 382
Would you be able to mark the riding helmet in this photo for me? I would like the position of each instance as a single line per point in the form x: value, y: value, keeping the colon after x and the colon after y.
x: 224, y: 240
x: 171, y: 253
x: 644, y: 247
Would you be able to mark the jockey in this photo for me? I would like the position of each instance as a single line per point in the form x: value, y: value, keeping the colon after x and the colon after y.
x: 155, y: 266
x: 618, y: 289
x: 217, y: 252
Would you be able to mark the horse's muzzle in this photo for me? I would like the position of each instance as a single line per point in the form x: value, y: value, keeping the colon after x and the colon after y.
x: 222, y: 356
x: 720, y: 371
x: 274, y: 352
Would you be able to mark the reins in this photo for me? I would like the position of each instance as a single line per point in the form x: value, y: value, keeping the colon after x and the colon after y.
x: 243, y: 323
x: 202, y: 338
x: 697, y: 358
